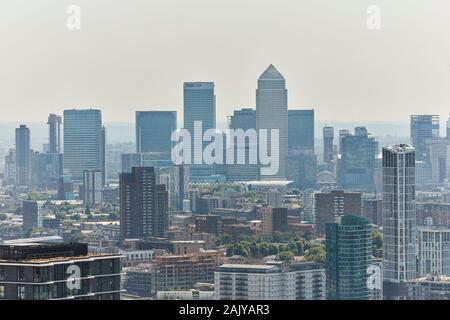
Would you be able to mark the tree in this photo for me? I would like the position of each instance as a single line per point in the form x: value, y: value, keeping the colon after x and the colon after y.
x: 316, y: 254
x: 3, y: 216
x: 377, y: 239
x: 113, y: 216
x: 287, y: 256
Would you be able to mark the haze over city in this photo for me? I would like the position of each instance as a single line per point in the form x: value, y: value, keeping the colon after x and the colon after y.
x: 136, y: 55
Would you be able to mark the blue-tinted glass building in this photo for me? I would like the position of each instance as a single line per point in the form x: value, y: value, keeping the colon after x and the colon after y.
x: 301, y: 130
x: 84, y: 142
x: 154, y: 130
x: 423, y: 128
x: 199, y: 105
x: 244, y: 119
x: 357, y: 163
x: 348, y: 257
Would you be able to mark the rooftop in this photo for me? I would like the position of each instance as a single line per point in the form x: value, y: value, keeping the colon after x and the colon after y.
x: 400, y: 148
x: 271, y: 73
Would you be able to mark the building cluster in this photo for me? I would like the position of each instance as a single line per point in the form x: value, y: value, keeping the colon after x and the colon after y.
x: 343, y: 219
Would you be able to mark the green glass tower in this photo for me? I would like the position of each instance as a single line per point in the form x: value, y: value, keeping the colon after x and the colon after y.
x: 348, y: 256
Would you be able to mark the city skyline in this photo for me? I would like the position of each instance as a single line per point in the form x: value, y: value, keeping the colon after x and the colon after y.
x: 224, y: 150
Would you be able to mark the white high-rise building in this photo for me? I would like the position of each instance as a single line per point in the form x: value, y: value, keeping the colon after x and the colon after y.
x: 399, y: 218
x: 272, y: 113
x: 433, y: 245
x: 298, y: 281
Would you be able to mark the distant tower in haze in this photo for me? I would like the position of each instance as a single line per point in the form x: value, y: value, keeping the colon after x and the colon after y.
x: 328, y: 144
x: 84, y: 142
x: 54, y: 135
x: 199, y: 106
x: 272, y: 113
x: 154, y: 130
x: 448, y: 129
x: 23, y: 156
x: 423, y: 128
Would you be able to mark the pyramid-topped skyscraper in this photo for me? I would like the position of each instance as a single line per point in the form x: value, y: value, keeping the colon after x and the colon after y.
x: 272, y: 113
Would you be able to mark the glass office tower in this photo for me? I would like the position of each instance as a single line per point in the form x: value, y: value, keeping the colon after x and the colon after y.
x: 199, y: 106
x: 84, y: 142
x: 272, y: 113
x: 154, y: 130
x: 348, y: 256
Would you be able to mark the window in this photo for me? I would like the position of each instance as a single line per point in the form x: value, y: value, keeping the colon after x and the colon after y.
x: 2, y: 292
x: 21, y: 292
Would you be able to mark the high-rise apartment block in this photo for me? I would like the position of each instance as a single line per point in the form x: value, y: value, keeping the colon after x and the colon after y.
x: 57, y: 272
x: 92, y: 187
x: 143, y: 205
x: 399, y: 218
x: 23, y: 156
x: 32, y: 216
x: 328, y: 144
x: 433, y: 244
x: 328, y: 206
x: 54, y: 136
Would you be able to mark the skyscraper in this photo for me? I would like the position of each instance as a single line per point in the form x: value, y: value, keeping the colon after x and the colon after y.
x: 84, y: 139
x: 301, y: 130
x: 32, y: 217
x: 438, y: 152
x: 328, y: 144
x: 329, y: 206
x: 244, y: 119
x: 348, y: 257
x: 357, y: 163
x: 399, y: 218
x: 448, y: 129
x: 423, y: 128
x: 272, y: 114
x: 54, y: 135
x: 92, y: 187
x: 143, y: 205
x: 154, y: 130
x: 302, y: 161
x: 176, y: 180
x: 199, y: 106
x: 23, y: 156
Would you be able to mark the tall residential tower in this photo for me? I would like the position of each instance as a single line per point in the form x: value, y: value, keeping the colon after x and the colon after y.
x: 399, y: 218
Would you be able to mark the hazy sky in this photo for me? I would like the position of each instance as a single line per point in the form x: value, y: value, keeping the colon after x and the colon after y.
x: 135, y: 54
